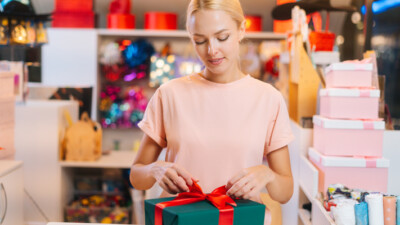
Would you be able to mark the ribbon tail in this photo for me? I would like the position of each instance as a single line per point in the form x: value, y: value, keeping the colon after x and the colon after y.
x: 226, y: 215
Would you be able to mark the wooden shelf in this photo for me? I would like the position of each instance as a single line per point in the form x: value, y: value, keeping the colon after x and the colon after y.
x: 116, y: 159
x: 178, y: 34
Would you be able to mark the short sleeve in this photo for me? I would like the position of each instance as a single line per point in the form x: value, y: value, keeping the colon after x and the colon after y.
x: 279, y: 132
x: 152, y: 123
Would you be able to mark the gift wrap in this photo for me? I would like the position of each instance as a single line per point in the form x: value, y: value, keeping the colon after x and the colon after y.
x: 195, y: 208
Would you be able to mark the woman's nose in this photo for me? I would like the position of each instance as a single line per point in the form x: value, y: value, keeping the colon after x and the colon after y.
x: 211, y: 48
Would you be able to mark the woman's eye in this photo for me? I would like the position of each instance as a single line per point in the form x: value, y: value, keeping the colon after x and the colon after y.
x: 200, y: 42
x: 223, y: 38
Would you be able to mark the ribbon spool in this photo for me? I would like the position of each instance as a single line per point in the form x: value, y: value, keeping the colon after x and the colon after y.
x: 344, y: 213
x: 121, y: 21
x: 160, y: 21
x: 361, y: 212
x: 253, y: 23
x: 375, y: 209
x: 389, y: 210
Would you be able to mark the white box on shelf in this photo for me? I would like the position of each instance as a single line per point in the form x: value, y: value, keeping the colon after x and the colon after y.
x: 39, y: 128
x: 349, y: 103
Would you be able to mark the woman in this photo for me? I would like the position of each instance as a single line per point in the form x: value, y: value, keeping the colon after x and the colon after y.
x: 216, y: 126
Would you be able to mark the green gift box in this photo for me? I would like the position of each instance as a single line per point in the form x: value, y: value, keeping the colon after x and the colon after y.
x: 203, y: 212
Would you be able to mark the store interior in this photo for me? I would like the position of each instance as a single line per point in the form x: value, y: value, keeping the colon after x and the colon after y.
x: 76, y: 77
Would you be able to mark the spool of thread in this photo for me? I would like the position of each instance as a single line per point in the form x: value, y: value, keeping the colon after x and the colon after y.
x: 344, y: 214
x: 389, y: 210
x: 361, y: 212
x: 375, y: 209
x: 398, y: 210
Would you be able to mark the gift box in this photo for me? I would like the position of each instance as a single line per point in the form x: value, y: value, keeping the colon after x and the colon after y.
x: 349, y: 74
x: 197, y: 208
x: 120, y: 21
x: 343, y: 103
x: 6, y: 85
x: 73, y: 5
x: 322, y: 41
x: 160, y: 21
x: 370, y: 174
x: 7, y: 110
x: 74, y: 19
x: 253, y: 23
x: 348, y: 137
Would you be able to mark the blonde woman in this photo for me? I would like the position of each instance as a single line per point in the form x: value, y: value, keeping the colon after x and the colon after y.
x: 216, y: 126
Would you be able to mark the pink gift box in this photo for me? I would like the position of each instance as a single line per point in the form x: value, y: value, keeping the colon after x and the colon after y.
x: 7, y: 110
x: 6, y: 85
x: 7, y: 140
x: 341, y: 103
x: 370, y: 174
x: 336, y: 137
x: 346, y: 74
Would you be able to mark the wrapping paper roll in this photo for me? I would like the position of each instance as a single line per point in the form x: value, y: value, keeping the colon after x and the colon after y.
x: 398, y: 210
x: 389, y: 210
x: 375, y: 209
x: 344, y: 214
x: 361, y: 211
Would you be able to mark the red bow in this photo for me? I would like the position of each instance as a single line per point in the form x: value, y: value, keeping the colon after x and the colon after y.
x: 217, y: 197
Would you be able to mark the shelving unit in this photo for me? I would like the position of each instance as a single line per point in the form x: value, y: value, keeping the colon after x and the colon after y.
x: 121, y: 159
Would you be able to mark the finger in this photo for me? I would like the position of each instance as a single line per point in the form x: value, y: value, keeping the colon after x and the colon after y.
x: 244, y: 190
x: 250, y: 194
x: 236, y: 178
x: 238, y: 185
x: 166, y: 188
x: 171, y: 186
x: 185, y: 175
x: 177, y: 180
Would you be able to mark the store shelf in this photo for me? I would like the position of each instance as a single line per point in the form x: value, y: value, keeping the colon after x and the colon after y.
x: 116, y: 159
x: 319, y: 215
x: 305, y: 216
x: 178, y: 34
x: 321, y: 58
x: 304, y: 189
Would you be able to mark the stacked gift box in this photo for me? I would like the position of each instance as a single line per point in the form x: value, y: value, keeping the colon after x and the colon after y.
x: 348, y: 134
x: 74, y: 13
x: 7, y: 108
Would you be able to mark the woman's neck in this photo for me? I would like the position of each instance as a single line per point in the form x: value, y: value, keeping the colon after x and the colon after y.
x: 223, y: 78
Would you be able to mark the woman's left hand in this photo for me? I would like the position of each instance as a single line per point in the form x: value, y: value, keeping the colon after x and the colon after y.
x: 248, y: 183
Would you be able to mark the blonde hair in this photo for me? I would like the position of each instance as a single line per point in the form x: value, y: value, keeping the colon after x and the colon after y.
x: 232, y: 7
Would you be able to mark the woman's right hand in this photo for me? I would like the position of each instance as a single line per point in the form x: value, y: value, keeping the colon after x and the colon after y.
x: 171, y: 177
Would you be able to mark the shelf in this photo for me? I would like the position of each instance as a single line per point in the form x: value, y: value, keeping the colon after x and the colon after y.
x: 321, y: 58
x: 308, y: 195
x: 116, y: 159
x: 305, y: 216
x: 178, y: 34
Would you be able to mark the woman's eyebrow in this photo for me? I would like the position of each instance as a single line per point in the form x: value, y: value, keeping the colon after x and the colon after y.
x: 218, y: 32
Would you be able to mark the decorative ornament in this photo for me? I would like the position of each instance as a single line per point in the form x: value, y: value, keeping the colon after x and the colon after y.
x: 137, y: 53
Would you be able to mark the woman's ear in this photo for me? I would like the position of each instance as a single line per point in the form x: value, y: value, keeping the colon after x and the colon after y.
x: 242, y: 30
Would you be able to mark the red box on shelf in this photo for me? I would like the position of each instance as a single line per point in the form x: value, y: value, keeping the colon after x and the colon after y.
x: 160, y: 21
x: 253, y: 23
x: 73, y: 19
x: 73, y: 5
x: 120, y: 21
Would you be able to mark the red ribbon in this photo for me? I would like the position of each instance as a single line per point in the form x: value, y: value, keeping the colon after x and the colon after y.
x: 217, y: 197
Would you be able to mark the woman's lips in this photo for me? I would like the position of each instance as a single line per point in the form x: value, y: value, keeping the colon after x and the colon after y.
x: 216, y: 61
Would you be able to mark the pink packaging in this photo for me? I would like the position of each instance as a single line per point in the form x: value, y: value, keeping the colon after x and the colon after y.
x: 7, y: 140
x: 334, y: 137
x: 6, y: 85
x: 7, y: 110
x: 349, y: 74
x: 342, y: 103
x: 370, y: 174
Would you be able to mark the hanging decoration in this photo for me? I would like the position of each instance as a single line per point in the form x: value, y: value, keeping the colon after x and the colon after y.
x: 19, y: 25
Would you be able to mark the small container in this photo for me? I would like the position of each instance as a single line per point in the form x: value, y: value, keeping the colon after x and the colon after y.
x: 74, y: 19
x: 120, y: 21
x: 334, y: 137
x: 348, y: 75
x: 350, y: 171
x: 160, y: 21
x: 341, y: 103
x: 253, y: 23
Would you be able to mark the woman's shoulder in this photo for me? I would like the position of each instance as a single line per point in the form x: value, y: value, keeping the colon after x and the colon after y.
x: 176, y: 84
x: 264, y: 87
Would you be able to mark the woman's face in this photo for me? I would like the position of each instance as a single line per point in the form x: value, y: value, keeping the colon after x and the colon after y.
x: 216, y: 38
